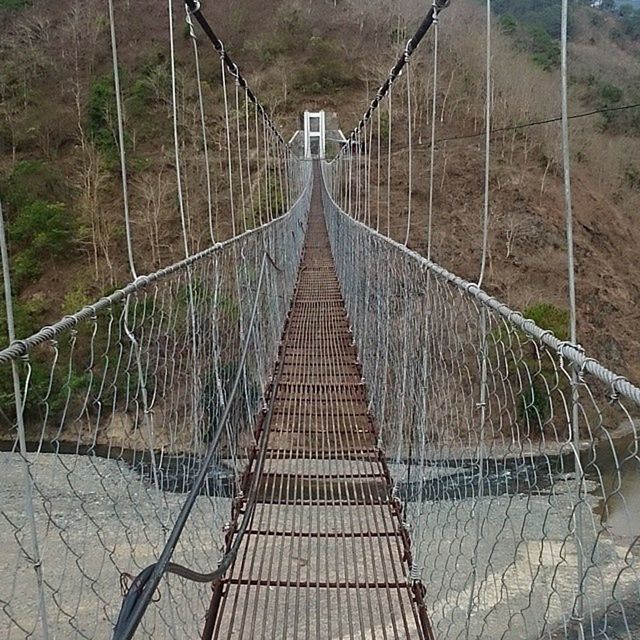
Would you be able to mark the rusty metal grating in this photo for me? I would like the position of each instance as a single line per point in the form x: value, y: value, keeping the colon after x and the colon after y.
x: 326, y: 555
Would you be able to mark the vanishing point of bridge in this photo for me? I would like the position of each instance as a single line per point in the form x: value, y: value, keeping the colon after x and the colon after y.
x: 326, y: 555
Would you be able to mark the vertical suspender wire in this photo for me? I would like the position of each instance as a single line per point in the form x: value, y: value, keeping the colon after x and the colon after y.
x: 343, y: 167
x: 362, y: 172
x: 378, y: 175
x: 258, y: 168
x: 148, y: 426
x: 365, y: 156
x: 487, y: 151
x: 350, y: 180
x: 578, y: 611
x: 359, y: 176
x: 240, y: 163
x: 279, y: 156
x: 482, y: 403
x: 271, y: 172
x: 405, y: 367
x: 215, y: 350
x: 35, y: 557
x: 176, y: 142
x: 234, y: 231
x: 248, y: 149
x: 410, y: 149
x: 288, y: 168
x: 426, y: 357
x: 203, y: 123
x: 432, y: 150
x: 389, y: 171
x: 267, y: 171
x: 194, y: 333
x: 367, y: 159
x: 369, y: 146
x: 120, y: 117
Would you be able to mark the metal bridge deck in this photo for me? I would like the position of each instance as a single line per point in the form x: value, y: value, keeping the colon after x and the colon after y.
x: 324, y: 556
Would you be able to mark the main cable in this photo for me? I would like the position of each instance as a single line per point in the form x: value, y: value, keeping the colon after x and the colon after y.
x: 194, y: 8
x: 395, y: 72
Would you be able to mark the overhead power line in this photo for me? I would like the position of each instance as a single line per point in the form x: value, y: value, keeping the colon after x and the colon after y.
x: 536, y: 123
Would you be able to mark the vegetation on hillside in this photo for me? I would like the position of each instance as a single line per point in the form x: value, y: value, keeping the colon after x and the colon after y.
x: 59, y: 156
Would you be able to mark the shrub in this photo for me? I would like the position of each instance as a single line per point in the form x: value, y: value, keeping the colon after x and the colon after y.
x: 539, y: 375
x: 611, y: 94
x: 508, y: 24
x: 632, y: 176
x: 101, y: 110
x: 550, y: 318
x: 43, y: 227
x: 546, y: 51
x: 12, y: 5
x: 39, y: 232
x: 33, y: 180
x: 325, y: 71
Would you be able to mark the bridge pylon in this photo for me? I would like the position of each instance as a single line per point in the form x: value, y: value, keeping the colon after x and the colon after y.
x: 314, y: 134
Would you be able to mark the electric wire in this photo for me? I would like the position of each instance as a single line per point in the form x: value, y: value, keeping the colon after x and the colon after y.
x: 536, y: 123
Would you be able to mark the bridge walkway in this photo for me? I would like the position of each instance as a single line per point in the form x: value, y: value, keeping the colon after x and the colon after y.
x: 324, y: 556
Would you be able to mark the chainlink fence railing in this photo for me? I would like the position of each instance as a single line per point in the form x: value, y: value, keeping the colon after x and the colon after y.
x: 119, y: 403
x: 515, y: 455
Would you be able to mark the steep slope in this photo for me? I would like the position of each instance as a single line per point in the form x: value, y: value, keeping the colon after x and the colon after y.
x: 57, y: 143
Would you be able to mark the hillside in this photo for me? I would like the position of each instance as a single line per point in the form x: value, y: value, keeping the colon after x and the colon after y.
x: 58, y: 164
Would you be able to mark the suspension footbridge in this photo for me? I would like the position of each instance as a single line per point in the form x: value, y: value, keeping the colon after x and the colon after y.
x: 309, y: 430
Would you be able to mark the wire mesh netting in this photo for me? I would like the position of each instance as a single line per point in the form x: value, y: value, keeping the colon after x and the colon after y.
x: 514, y: 454
x: 119, y: 404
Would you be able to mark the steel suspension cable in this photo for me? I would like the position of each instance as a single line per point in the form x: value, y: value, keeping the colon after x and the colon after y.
x: 434, y: 99
x: 578, y: 612
x: 194, y: 7
x: 121, y: 140
x: 410, y: 154
x: 203, y: 124
x: 396, y: 71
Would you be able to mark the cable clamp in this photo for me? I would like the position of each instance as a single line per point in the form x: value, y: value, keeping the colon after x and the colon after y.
x: 568, y: 343
x: 408, y: 50
x: 189, y: 21
x: 615, y: 393
x: 583, y: 366
x: 545, y: 333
